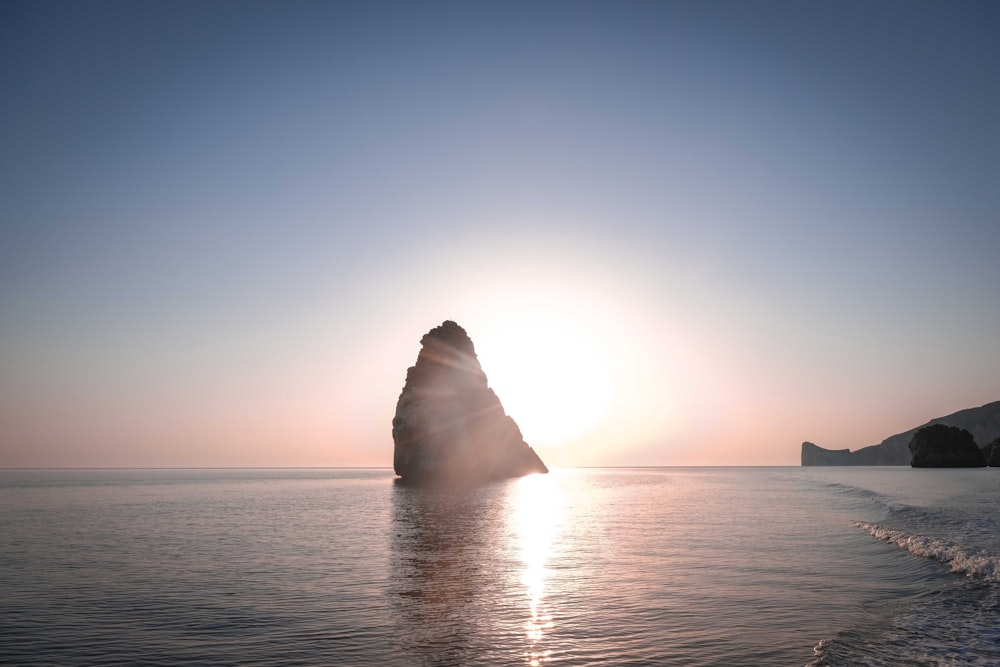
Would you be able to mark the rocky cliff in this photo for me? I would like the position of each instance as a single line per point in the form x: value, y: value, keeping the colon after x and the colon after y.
x: 991, y: 453
x: 940, y: 446
x: 449, y: 425
x: 982, y: 422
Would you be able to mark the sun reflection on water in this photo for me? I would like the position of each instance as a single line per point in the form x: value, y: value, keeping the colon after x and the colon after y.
x: 537, y: 513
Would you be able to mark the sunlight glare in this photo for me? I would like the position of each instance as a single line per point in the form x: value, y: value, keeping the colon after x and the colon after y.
x: 537, y: 513
x: 553, y: 376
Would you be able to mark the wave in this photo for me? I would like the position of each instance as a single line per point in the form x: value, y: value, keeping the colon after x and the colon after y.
x: 821, y: 652
x: 972, y: 562
x: 881, y: 502
x: 857, y: 492
x: 955, y: 627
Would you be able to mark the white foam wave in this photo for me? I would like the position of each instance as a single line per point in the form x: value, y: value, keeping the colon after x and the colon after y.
x: 820, y: 653
x: 971, y: 562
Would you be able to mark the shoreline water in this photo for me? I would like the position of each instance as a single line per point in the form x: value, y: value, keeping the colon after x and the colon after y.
x: 666, y: 566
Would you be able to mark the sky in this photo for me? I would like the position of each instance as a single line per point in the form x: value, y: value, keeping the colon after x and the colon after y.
x: 679, y: 233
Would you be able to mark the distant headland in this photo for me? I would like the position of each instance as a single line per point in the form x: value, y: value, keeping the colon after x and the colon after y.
x: 982, y: 424
x: 449, y: 425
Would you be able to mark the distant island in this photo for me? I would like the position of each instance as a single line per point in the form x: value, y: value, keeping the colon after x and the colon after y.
x: 982, y: 423
x: 449, y: 426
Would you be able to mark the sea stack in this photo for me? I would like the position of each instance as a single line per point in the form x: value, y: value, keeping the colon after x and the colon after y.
x: 450, y: 426
x: 940, y: 446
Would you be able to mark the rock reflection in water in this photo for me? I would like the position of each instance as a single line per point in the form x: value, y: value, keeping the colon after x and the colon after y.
x: 468, y: 572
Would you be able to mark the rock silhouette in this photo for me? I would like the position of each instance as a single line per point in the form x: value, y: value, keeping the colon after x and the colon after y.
x: 449, y: 425
x: 940, y: 446
x: 982, y: 422
x: 991, y: 453
x: 814, y: 455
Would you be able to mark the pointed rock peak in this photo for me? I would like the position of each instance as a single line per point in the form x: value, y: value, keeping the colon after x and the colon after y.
x: 449, y: 425
x: 449, y: 344
x: 450, y: 334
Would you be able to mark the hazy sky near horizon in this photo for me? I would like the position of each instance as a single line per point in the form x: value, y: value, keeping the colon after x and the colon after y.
x: 224, y: 226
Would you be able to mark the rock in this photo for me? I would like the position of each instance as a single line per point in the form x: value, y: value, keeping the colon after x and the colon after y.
x: 991, y: 453
x: 449, y: 425
x: 940, y: 446
x: 982, y: 422
x: 875, y: 455
x: 814, y: 455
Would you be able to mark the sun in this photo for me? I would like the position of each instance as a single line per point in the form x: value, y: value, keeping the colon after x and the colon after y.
x: 553, y: 376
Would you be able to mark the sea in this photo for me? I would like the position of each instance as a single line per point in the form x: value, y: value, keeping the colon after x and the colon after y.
x: 605, y: 567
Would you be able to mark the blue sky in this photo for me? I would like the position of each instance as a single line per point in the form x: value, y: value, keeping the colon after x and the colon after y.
x: 225, y: 226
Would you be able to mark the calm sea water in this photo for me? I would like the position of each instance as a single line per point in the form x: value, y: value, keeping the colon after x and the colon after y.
x: 716, y: 566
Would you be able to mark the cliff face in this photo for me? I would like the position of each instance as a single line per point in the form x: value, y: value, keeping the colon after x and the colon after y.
x: 991, y: 453
x: 982, y: 422
x: 940, y: 446
x: 814, y: 455
x: 449, y: 425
